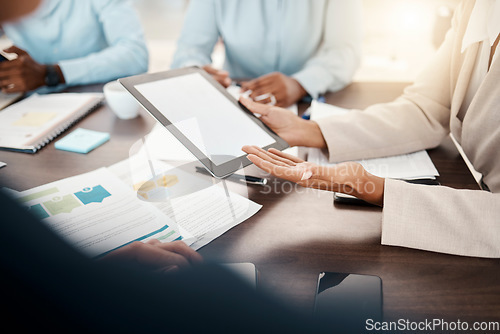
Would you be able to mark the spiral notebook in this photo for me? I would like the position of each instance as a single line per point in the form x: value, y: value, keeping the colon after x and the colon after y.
x: 35, y: 121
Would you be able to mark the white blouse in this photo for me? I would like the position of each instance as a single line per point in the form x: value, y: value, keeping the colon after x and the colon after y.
x: 483, y: 27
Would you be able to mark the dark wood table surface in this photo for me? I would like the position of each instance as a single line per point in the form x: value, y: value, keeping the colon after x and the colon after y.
x: 299, y: 232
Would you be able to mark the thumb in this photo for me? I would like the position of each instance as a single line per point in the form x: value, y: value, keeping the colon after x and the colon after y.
x: 257, y: 108
x: 16, y: 50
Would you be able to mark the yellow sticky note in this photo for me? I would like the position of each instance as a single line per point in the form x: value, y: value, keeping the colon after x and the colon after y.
x: 167, y: 181
x: 35, y: 119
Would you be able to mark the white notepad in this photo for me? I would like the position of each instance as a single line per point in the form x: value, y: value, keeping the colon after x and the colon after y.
x: 33, y: 122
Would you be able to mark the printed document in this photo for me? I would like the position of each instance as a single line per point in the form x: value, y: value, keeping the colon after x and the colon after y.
x: 96, y: 212
x: 199, y: 206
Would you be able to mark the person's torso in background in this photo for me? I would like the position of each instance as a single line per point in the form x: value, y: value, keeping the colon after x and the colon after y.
x: 263, y: 36
x: 59, y: 30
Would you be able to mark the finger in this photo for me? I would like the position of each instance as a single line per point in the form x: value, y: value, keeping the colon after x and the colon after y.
x: 257, y: 108
x: 209, y: 69
x: 11, y: 89
x: 249, y: 85
x: 285, y: 160
x: 16, y: 50
x: 286, y: 155
x: 11, y: 74
x: 264, y: 80
x: 276, y: 155
x: 263, y: 99
x: 223, y: 80
x: 213, y: 71
x: 181, y: 248
x: 14, y: 86
x: 156, y: 257
x: 261, y: 91
x: 266, y: 156
x: 9, y: 65
x: 243, y: 86
x: 281, y: 101
x: 154, y: 242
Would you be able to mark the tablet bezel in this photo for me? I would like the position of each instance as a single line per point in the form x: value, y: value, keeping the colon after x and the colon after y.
x: 219, y: 171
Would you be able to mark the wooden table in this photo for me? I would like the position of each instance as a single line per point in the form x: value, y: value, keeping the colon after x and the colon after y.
x: 299, y: 232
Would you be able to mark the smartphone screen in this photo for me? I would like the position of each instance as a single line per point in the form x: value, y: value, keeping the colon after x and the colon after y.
x: 345, y: 302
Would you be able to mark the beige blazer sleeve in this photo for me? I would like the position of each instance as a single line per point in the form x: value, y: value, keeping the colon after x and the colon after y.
x: 418, y: 120
x: 441, y: 219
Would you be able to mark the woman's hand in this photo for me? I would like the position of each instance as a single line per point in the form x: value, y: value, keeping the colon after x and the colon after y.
x: 155, y: 255
x: 348, y: 178
x: 293, y: 129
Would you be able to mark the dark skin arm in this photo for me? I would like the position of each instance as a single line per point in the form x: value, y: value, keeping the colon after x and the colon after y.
x: 23, y: 74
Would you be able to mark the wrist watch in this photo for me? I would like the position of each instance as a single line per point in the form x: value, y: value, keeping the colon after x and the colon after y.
x: 51, y: 76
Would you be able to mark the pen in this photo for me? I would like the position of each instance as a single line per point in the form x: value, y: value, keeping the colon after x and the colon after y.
x: 245, y: 178
x: 307, y: 114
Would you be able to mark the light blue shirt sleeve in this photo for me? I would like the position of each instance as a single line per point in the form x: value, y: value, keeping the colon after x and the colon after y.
x: 317, y: 42
x: 125, y: 55
x: 199, y: 35
x: 334, y: 64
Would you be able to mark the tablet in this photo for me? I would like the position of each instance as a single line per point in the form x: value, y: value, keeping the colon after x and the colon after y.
x: 203, y: 116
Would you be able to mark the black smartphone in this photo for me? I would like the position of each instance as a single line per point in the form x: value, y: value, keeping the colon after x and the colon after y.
x: 2, y: 58
x: 346, y: 303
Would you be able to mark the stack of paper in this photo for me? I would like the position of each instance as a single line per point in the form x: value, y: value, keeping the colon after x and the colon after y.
x: 203, y: 209
x: 417, y: 165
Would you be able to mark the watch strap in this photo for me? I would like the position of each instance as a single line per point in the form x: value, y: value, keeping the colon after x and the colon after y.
x: 52, y: 77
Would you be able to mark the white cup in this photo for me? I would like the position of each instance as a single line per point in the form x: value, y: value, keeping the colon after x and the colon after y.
x: 123, y: 104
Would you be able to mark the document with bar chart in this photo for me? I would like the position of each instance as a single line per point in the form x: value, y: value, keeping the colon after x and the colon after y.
x: 96, y: 212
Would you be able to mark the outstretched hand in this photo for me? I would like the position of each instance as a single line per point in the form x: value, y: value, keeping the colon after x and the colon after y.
x: 348, y: 178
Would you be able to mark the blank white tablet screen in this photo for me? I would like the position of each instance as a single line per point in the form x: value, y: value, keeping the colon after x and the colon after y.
x: 216, y: 126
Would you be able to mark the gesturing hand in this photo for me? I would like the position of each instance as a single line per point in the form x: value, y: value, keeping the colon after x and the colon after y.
x: 285, y: 89
x: 348, y: 178
x: 155, y: 255
x: 22, y: 74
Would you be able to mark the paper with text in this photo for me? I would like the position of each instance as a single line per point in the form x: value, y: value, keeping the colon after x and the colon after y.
x: 204, y: 211
x: 96, y: 212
